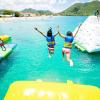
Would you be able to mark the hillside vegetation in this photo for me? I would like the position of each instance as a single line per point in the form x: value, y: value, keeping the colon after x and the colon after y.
x: 41, y: 12
x: 82, y: 9
x: 78, y: 9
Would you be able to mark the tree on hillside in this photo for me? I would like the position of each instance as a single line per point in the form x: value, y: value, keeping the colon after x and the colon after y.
x: 17, y: 14
x: 76, y: 9
x: 8, y: 12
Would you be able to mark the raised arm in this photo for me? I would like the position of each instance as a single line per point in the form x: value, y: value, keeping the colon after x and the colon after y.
x: 57, y: 31
x: 77, y: 30
x: 56, y: 34
x: 63, y: 36
x: 39, y: 31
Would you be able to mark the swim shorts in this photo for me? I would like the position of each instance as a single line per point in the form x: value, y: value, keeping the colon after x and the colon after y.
x: 65, y: 50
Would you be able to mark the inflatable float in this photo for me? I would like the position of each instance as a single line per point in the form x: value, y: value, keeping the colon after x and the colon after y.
x: 79, y: 46
x: 38, y: 90
x: 5, y: 38
x: 9, y: 49
x: 88, y: 37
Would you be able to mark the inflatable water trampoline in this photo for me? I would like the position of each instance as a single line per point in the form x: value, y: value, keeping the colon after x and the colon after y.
x: 88, y: 37
x: 38, y: 90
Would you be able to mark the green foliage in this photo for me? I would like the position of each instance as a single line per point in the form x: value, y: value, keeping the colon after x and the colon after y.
x: 78, y: 9
x: 40, y: 12
x: 75, y: 9
x: 17, y: 14
x: 8, y: 12
x: 82, y: 9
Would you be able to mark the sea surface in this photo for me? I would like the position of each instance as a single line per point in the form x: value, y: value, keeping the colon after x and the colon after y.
x: 29, y: 60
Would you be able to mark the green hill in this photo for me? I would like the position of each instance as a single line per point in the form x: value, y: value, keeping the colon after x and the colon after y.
x: 78, y: 9
x: 9, y: 12
x: 82, y: 9
x: 41, y: 12
x: 29, y: 10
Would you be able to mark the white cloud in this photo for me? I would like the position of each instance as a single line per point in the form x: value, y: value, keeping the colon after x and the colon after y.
x: 53, y: 5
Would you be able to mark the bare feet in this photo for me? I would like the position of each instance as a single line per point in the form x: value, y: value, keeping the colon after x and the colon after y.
x: 71, y: 63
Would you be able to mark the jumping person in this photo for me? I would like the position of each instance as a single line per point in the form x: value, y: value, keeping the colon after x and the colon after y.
x: 68, y: 44
x: 2, y: 45
x: 50, y: 38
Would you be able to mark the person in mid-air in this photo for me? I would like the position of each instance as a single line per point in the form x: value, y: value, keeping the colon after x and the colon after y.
x: 50, y: 38
x: 2, y: 45
x: 69, y: 37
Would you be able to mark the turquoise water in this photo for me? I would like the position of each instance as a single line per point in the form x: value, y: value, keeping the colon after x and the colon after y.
x: 29, y: 60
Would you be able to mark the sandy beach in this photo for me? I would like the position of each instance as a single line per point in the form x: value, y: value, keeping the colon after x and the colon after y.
x: 3, y: 19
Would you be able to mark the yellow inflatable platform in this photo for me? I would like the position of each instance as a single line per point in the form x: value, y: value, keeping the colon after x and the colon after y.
x: 5, y: 38
x: 37, y: 90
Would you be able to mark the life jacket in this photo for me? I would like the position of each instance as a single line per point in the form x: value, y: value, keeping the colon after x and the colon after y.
x: 68, y: 42
x: 51, y: 41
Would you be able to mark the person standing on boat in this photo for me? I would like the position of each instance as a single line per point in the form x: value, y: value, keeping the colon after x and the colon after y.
x: 68, y: 44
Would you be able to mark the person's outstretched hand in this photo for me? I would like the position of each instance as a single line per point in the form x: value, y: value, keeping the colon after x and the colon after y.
x: 58, y: 28
x: 35, y: 28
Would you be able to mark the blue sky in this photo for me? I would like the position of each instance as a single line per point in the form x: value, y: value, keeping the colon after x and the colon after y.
x: 52, y: 5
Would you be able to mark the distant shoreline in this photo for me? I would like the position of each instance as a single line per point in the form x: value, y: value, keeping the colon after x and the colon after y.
x: 25, y: 18
x: 8, y: 19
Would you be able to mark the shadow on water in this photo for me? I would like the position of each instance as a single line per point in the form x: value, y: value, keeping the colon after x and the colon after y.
x: 95, y: 53
x: 92, y: 57
x: 4, y: 67
x: 95, y: 56
x: 4, y: 64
